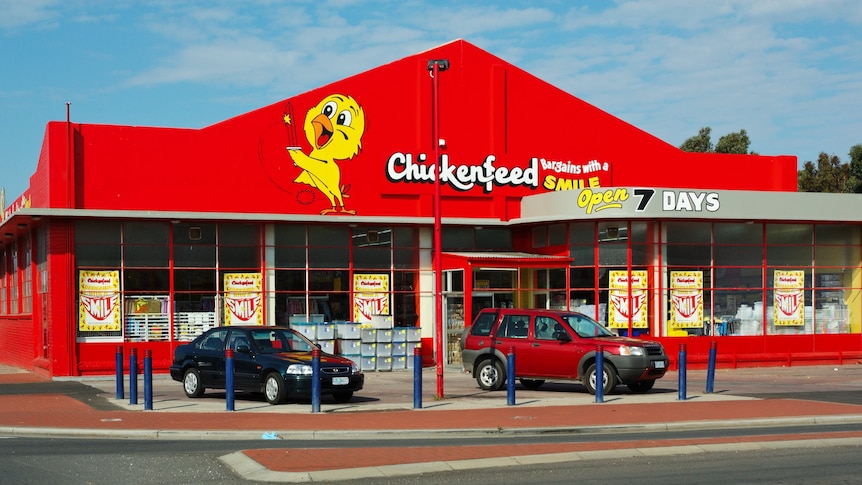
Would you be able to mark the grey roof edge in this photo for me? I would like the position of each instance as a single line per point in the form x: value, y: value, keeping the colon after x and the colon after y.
x: 35, y: 212
x: 671, y: 203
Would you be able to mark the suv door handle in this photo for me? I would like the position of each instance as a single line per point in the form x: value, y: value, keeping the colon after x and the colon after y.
x: 536, y: 344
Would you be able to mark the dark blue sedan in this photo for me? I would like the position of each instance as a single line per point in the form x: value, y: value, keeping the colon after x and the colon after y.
x: 275, y: 361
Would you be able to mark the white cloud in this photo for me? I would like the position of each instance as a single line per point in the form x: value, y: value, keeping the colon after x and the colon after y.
x: 16, y: 14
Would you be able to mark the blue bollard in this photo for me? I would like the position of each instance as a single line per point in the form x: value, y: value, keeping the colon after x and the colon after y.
x: 600, y: 374
x: 315, y: 380
x: 510, y: 377
x: 417, y: 378
x: 148, y: 380
x: 228, y: 379
x: 681, y: 366
x: 133, y: 376
x: 710, y: 371
x: 121, y: 387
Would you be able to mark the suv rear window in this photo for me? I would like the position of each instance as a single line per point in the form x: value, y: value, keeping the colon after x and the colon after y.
x: 483, y: 324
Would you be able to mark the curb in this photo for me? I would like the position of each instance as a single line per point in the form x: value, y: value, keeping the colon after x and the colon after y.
x: 252, y: 470
x: 332, y: 435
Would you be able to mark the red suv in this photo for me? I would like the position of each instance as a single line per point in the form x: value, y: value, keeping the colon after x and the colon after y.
x: 551, y: 344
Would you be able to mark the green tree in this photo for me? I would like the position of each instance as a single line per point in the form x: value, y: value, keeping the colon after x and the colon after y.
x: 856, y: 169
x: 830, y: 175
x: 737, y: 142
x: 699, y: 143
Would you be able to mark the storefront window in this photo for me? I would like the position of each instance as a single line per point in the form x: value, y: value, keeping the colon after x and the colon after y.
x: 195, y: 245
x: 455, y: 238
x: 492, y: 238
x: 239, y: 246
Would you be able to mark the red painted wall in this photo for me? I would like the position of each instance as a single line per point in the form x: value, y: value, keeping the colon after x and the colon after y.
x: 488, y: 108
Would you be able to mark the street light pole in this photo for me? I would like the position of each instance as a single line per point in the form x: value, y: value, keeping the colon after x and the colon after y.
x: 436, y: 66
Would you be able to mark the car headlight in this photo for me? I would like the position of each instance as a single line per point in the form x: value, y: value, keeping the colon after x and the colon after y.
x: 299, y: 370
x: 627, y: 350
x: 354, y: 369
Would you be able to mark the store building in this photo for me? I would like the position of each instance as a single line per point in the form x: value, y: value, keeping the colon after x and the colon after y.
x: 320, y: 207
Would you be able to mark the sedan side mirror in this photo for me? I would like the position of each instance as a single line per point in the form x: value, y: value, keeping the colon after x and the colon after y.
x: 243, y: 349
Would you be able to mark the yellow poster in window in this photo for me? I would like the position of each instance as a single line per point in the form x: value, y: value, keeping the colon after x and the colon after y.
x: 623, y: 304
x: 370, y: 296
x: 686, y: 299
x: 99, y: 301
x: 789, y: 298
x: 243, y: 299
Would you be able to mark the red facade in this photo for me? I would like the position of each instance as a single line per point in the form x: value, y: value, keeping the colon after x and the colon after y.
x: 505, y: 135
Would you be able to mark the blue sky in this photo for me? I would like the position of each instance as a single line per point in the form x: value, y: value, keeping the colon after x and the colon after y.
x: 789, y: 72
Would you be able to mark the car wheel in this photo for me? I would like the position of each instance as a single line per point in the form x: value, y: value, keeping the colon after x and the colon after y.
x: 192, y: 383
x: 532, y: 383
x: 640, y: 386
x: 342, y: 396
x: 490, y: 376
x: 273, y: 388
x: 608, y: 380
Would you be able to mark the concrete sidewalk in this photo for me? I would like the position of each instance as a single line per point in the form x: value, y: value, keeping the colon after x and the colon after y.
x: 384, y: 409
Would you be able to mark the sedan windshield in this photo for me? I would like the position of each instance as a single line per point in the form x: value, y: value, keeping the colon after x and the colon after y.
x: 279, y: 340
x: 585, y: 326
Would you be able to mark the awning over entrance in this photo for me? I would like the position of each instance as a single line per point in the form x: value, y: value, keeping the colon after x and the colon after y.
x: 503, y: 258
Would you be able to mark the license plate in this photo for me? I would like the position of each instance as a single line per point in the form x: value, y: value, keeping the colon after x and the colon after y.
x: 340, y: 381
x: 659, y: 365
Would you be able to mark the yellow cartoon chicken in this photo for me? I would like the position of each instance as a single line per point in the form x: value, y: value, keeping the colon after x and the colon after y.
x: 334, y: 129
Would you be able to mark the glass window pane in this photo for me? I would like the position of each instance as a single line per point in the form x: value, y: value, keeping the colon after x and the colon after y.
x: 106, y: 255
x: 836, y: 234
x: 405, y: 237
x: 372, y: 257
x: 195, y: 280
x: 289, y: 234
x: 639, y: 231
x: 582, y: 233
x: 328, y: 281
x: 194, y: 234
x: 328, y: 236
x: 138, y: 255
x: 613, y: 254
x: 457, y: 238
x: 494, y: 238
x: 142, y: 232
x: 371, y: 236
x: 146, y: 280
x: 245, y: 257
x: 406, y: 258
x: 239, y: 234
x: 789, y: 255
x: 289, y: 280
x: 738, y: 278
x: 539, y: 236
x: 738, y: 233
x: 556, y: 234
x: 289, y: 257
x: 688, y: 232
x: 194, y: 255
x: 789, y: 234
x: 641, y: 254
x: 738, y: 255
x: 583, y: 255
x: 323, y: 257
x: 100, y: 232
x: 689, y: 254
x: 557, y: 277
